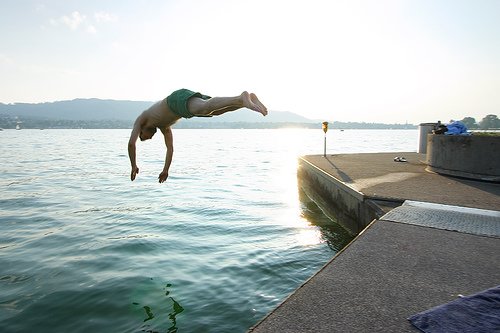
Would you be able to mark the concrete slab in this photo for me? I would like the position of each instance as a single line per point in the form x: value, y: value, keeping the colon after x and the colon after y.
x: 388, y: 273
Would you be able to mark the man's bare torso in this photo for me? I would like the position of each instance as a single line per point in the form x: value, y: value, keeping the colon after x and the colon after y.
x: 159, y: 115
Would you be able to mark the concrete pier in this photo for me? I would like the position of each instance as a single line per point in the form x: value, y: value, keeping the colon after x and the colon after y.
x: 357, y: 188
x: 444, y: 241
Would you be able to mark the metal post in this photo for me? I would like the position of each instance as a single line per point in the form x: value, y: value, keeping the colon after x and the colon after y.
x: 325, y: 129
x: 324, y: 151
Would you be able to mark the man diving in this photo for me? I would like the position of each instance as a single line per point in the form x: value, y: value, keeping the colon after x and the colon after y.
x: 182, y: 103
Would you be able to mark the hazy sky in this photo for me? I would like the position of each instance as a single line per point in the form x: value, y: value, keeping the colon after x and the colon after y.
x: 373, y: 61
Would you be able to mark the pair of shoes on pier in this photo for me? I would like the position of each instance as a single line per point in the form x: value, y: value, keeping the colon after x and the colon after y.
x: 399, y: 159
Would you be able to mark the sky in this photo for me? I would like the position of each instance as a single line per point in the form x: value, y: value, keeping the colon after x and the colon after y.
x: 339, y: 60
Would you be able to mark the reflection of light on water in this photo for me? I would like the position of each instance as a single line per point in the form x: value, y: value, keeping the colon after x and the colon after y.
x: 309, y: 227
x: 309, y: 236
x: 290, y: 145
x: 286, y: 180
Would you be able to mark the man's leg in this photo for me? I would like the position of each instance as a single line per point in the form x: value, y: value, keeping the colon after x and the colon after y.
x: 219, y: 105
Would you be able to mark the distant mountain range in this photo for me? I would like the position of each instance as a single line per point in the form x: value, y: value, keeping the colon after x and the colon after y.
x: 98, y: 109
x: 99, y: 113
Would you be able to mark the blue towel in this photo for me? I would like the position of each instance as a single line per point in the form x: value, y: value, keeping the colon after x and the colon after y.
x: 456, y: 128
x: 479, y: 313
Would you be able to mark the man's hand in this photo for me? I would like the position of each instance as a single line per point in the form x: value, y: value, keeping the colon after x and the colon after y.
x: 134, y: 172
x: 163, y: 176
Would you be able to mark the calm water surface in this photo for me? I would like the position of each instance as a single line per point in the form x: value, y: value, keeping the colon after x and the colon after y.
x: 216, y: 247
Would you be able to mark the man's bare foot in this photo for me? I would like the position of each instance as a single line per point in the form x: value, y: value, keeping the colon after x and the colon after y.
x: 256, y: 101
x: 252, y: 102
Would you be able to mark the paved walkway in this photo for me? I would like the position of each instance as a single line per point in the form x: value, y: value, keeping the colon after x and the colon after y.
x: 415, y: 257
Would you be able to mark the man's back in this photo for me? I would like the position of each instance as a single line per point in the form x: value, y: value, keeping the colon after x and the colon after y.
x: 159, y: 115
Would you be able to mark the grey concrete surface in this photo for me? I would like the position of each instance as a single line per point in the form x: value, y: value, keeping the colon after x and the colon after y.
x: 377, y: 176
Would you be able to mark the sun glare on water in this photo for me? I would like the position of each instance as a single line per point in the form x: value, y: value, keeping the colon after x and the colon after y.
x: 291, y: 142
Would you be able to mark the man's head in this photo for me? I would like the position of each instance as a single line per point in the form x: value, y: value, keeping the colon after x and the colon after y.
x: 147, y: 133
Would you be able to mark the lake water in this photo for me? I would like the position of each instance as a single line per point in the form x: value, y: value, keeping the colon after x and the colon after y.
x: 213, y: 249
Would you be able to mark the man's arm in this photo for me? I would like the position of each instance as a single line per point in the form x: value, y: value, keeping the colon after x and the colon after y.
x: 169, y: 143
x: 131, y: 148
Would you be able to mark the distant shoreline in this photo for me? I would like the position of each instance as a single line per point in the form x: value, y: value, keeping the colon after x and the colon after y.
x: 8, y: 122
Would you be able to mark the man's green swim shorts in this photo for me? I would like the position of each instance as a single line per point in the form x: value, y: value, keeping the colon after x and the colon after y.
x: 177, y: 102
